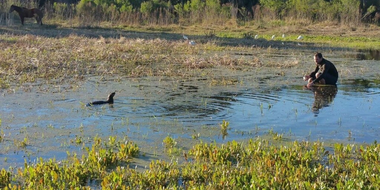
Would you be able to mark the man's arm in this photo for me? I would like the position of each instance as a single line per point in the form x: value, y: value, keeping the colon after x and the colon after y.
x: 312, y: 74
x: 325, y: 69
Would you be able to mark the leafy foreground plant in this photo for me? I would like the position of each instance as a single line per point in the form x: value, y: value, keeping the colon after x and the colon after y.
x: 257, y: 164
x: 75, y: 172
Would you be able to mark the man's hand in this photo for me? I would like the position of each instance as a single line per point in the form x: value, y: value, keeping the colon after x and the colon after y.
x: 310, y: 84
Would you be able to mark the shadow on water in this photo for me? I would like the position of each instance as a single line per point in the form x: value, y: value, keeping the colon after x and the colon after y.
x: 368, y: 55
x: 360, y: 85
x: 323, y: 96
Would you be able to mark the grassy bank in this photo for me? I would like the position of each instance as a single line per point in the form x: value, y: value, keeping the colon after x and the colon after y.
x: 57, y: 53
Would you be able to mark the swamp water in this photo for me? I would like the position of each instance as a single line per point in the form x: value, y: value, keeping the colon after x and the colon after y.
x: 52, y: 120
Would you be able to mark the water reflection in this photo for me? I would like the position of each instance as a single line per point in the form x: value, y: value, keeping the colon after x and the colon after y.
x: 360, y: 85
x: 323, y: 96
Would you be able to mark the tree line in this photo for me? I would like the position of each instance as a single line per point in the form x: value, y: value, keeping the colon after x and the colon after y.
x: 216, y: 11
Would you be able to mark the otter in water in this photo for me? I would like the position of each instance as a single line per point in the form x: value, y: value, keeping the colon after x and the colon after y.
x: 109, y: 100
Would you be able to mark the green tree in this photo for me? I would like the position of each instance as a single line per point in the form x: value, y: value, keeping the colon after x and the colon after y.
x: 124, y: 5
x: 276, y: 6
x: 348, y: 10
x: 151, y: 6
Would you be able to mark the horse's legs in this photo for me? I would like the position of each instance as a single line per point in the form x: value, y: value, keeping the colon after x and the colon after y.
x: 22, y: 18
x: 38, y: 19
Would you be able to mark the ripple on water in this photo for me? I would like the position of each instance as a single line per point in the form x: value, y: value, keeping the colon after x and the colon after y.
x: 148, y: 110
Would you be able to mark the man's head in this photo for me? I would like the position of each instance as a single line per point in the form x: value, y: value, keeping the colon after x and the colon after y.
x: 318, y: 58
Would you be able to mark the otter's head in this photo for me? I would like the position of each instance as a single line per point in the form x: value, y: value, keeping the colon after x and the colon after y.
x: 110, y: 97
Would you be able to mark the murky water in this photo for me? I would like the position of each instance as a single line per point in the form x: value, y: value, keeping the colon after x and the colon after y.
x: 54, y: 119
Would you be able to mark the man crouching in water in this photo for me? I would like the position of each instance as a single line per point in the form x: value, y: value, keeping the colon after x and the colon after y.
x: 324, y: 73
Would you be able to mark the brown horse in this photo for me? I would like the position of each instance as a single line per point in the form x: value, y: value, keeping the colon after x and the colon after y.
x: 28, y: 13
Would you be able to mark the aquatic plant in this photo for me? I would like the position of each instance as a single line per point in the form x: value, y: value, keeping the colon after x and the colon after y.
x: 21, y: 144
x: 224, y: 127
x: 169, y: 142
x: 235, y: 165
x: 76, y: 172
x: 195, y: 136
x: 255, y: 165
x: 275, y: 135
x: 78, y: 140
x: 5, y: 178
x: 160, y: 174
x: 170, y: 145
x: 1, y: 134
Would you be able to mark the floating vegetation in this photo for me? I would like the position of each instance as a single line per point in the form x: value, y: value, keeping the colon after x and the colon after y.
x: 21, y: 144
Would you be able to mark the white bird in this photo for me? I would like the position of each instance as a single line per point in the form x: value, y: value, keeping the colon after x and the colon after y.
x: 192, y: 42
x: 256, y: 36
x: 273, y: 37
x: 283, y: 35
x: 300, y: 37
x: 185, y: 37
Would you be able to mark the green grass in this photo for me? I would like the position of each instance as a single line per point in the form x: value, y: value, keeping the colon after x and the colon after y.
x: 346, y: 42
